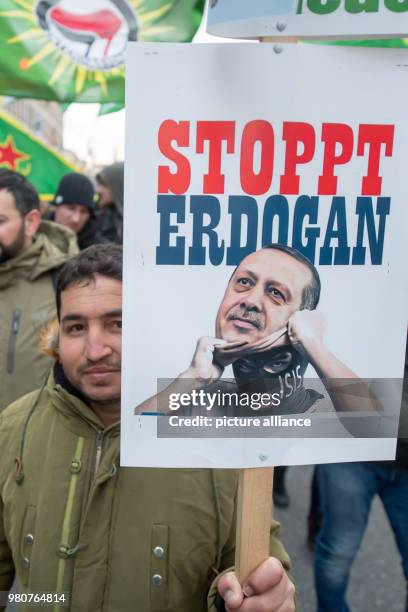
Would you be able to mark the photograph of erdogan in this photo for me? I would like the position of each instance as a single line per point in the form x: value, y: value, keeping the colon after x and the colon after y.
x: 268, y: 327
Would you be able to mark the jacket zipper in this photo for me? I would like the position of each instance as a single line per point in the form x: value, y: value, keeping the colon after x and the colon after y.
x: 100, y: 436
x: 11, y: 350
x: 98, y: 454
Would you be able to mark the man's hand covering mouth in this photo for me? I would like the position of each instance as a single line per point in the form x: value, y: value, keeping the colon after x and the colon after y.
x: 232, y: 351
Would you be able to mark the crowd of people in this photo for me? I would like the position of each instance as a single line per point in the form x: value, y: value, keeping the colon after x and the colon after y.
x: 75, y: 524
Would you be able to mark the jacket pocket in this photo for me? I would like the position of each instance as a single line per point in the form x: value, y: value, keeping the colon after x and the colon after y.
x: 27, y: 540
x: 11, y: 348
x: 159, y: 555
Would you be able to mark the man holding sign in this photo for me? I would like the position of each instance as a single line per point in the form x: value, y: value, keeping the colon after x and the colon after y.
x: 114, y: 538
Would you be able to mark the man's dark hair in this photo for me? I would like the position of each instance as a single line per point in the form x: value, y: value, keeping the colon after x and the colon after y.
x: 103, y: 259
x: 311, y: 293
x: 24, y: 193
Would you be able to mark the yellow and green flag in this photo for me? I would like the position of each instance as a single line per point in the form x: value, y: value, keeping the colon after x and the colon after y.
x: 74, y: 50
x: 25, y: 153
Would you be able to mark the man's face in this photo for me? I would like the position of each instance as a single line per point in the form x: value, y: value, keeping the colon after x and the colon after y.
x: 90, y: 338
x: 12, y: 228
x: 262, y: 294
x: 74, y: 216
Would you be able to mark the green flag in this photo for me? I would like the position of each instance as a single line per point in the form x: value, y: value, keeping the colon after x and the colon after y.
x: 27, y: 154
x: 398, y: 43
x: 74, y: 50
x: 110, y: 107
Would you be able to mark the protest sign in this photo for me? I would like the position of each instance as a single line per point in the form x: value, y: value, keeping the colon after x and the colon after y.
x: 308, y: 18
x: 245, y: 147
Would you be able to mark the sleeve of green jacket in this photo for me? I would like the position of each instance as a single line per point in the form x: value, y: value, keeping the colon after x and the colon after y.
x: 275, y: 549
x: 6, y: 560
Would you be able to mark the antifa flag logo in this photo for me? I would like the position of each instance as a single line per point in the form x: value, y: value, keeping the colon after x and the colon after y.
x: 93, y: 33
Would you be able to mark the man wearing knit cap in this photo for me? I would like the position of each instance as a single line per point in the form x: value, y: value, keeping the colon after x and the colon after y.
x: 110, y: 214
x: 74, y: 207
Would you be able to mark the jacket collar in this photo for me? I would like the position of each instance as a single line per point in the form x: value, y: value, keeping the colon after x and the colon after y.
x: 53, y: 244
x: 71, y: 401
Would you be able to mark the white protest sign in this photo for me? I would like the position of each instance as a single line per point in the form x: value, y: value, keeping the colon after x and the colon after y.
x: 231, y: 148
x: 308, y: 18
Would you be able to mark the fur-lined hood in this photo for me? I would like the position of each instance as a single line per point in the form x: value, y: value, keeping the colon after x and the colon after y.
x: 49, y: 339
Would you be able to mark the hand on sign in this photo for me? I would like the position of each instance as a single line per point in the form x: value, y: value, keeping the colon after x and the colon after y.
x: 268, y: 588
x: 306, y: 327
x: 203, y: 367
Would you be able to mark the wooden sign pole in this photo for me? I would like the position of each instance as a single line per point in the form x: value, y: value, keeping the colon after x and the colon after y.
x: 254, y: 511
x: 277, y: 39
x: 254, y: 514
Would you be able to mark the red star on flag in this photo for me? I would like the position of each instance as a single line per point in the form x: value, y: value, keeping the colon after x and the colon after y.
x: 9, y: 154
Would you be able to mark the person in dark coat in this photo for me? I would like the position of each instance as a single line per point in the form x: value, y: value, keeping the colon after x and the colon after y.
x: 110, y: 206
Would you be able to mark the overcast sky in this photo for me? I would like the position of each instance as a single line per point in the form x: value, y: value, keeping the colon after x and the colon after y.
x: 100, y: 140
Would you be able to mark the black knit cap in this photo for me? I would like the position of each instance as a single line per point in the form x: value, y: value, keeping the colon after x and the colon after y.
x: 75, y: 188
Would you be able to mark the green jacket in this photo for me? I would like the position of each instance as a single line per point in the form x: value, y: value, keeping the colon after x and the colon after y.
x: 27, y: 302
x: 116, y: 539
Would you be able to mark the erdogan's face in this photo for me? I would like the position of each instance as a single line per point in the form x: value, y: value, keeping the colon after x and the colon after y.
x: 262, y: 294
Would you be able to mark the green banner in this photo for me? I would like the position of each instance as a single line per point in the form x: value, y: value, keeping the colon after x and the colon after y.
x: 74, y: 50
x: 25, y: 153
x: 396, y: 43
x: 110, y: 107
